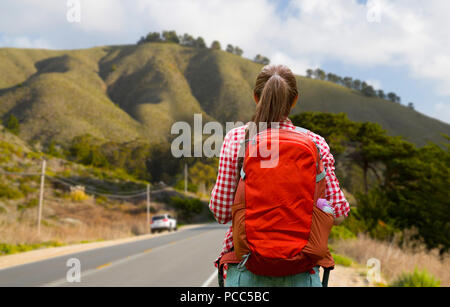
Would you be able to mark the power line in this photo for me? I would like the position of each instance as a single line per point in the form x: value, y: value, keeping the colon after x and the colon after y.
x: 97, y: 189
x: 88, y: 189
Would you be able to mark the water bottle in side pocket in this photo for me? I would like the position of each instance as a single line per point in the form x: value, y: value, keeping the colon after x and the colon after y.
x: 323, y: 205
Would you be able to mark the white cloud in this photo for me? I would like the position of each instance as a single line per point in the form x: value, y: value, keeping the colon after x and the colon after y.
x: 409, y: 34
x: 24, y: 42
x: 103, y: 15
x: 375, y: 83
x: 29, y: 17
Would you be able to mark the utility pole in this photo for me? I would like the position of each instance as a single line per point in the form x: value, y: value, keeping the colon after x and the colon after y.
x: 148, y: 208
x: 185, y: 178
x: 41, y: 196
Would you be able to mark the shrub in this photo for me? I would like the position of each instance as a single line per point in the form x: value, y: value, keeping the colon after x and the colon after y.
x: 416, y: 279
x: 54, y: 150
x: 187, y: 207
x: 78, y: 196
x: 13, y: 125
x: 7, y: 249
x: 26, y: 189
x: 342, y: 260
x: 191, y: 187
x: 33, y: 155
x: 341, y: 232
x: 6, y: 151
x: 101, y: 200
x: 31, y: 204
x: 9, y: 192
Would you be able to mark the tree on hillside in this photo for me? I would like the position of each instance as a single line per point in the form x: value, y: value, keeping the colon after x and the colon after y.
x: 141, y: 40
x: 187, y: 40
x: 348, y: 82
x: 12, y: 124
x: 337, y: 129
x: 234, y: 50
x: 332, y: 78
x: 319, y: 74
x: 374, y: 147
x: 357, y: 84
x: 411, y: 106
x: 216, y: 45
x: 203, y: 173
x: 230, y: 48
x: 422, y: 177
x: 238, y: 51
x: 381, y: 94
x: 368, y: 91
x: 392, y: 97
x: 170, y: 37
x: 261, y: 59
x: 200, y: 42
x: 153, y: 37
x: 166, y: 170
x: 85, y: 150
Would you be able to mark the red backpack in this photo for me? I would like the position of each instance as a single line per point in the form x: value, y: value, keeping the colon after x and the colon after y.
x: 277, y: 228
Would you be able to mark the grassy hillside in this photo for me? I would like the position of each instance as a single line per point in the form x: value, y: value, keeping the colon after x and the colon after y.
x: 123, y: 93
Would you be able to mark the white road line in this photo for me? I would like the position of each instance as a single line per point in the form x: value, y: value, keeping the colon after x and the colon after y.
x: 210, y: 279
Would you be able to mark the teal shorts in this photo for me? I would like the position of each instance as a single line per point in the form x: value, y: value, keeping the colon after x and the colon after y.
x: 241, y: 277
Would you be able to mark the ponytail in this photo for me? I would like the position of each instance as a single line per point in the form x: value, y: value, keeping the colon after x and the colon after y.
x: 276, y: 91
x: 274, y: 102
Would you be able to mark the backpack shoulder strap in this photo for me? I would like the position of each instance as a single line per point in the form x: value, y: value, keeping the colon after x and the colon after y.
x: 320, y: 174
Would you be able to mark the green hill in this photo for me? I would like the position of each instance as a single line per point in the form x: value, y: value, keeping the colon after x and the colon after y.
x: 129, y: 92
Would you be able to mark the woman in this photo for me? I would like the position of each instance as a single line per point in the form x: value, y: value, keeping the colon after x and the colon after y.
x: 275, y: 94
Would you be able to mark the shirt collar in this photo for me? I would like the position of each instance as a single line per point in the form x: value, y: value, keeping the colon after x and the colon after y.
x: 287, y: 123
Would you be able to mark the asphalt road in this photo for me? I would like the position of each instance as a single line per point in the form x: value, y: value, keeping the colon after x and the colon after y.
x: 183, y: 258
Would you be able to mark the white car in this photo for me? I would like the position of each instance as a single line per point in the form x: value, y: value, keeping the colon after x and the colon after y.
x: 163, y: 222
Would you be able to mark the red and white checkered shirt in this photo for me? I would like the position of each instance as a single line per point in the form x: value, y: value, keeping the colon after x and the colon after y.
x: 223, y: 193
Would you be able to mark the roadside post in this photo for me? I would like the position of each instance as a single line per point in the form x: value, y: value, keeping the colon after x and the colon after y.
x: 148, y: 208
x: 41, y: 197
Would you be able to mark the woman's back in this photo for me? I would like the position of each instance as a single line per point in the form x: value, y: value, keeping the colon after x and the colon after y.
x: 273, y: 101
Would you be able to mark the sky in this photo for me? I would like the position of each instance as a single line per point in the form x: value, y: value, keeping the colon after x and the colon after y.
x: 401, y: 46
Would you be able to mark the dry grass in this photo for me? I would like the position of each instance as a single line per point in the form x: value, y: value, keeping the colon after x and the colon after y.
x: 395, y: 260
x: 73, y: 222
x: 25, y: 233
